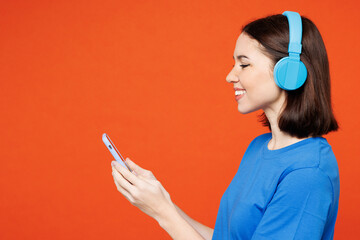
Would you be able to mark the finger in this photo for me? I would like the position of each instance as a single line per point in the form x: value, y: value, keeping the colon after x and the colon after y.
x: 136, y: 168
x: 125, y: 193
x: 125, y: 173
x: 125, y: 184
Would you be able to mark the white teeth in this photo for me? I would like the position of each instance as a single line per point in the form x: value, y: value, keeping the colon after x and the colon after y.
x: 240, y: 92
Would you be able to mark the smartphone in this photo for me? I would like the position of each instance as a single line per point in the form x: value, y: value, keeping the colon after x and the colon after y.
x: 113, y: 150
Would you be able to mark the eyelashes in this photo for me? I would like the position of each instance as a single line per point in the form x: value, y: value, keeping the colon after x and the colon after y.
x: 243, y: 65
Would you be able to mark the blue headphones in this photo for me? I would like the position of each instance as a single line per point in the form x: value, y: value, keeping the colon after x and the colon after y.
x: 289, y: 72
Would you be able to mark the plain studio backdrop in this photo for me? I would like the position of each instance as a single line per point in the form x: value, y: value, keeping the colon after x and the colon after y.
x: 151, y: 74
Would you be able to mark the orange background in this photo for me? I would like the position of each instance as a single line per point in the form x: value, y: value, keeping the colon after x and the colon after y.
x: 151, y: 74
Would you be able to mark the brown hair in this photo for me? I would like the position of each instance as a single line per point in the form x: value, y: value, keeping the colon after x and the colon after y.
x: 308, y: 110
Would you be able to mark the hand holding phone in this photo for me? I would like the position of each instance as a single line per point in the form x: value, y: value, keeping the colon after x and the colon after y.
x: 113, y: 150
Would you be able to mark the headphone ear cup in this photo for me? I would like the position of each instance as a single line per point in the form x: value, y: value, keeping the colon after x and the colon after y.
x: 290, y: 74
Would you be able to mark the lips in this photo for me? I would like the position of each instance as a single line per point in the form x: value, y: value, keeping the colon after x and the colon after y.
x: 239, y: 93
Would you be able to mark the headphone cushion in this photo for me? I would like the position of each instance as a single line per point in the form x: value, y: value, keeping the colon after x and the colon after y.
x: 290, y: 74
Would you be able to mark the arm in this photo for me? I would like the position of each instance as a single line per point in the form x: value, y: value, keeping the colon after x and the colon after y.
x: 145, y: 192
x: 176, y: 226
x: 205, y: 231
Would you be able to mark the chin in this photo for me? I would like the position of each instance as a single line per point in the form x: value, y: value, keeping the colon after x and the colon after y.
x: 246, y: 110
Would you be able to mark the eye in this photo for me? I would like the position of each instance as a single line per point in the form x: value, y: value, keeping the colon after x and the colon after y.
x: 243, y: 65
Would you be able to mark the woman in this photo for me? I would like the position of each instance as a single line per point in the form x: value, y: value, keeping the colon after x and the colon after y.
x: 287, y: 185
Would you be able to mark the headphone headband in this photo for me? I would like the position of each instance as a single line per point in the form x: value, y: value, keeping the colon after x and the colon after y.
x: 295, y: 31
x: 290, y: 72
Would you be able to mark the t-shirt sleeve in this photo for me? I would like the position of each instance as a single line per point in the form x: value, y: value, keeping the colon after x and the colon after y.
x: 299, y: 207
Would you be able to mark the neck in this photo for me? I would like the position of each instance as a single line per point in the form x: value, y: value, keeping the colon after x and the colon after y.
x: 279, y: 138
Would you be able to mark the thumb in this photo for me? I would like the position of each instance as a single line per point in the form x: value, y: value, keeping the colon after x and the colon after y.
x: 134, y: 167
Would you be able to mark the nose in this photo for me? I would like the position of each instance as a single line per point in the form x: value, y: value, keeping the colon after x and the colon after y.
x: 232, y: 76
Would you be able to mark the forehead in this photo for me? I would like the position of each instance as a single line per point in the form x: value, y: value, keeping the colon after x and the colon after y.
x: 247, y: 46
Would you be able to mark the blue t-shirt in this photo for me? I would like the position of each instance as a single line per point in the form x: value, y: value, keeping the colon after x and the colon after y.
x: 289, y: 193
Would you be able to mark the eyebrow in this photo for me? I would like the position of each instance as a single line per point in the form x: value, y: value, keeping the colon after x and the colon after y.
x: 240, y: 57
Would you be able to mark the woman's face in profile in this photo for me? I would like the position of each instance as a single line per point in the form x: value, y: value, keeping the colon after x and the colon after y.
x: 252, y: 76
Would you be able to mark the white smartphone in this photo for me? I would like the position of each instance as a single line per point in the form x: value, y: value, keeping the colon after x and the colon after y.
x: 113, y: 150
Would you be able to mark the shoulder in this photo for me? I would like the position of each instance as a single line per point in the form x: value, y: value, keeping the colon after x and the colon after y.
x: 306, y: 164
x: 306, y: 184
x: 310, y: 153
x: 307, y: 179
x: 312, y: 167
x: 310, y: 185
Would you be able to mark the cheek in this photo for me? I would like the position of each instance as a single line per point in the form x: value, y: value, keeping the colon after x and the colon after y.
x: 258, y: 81
x: 261, y: 86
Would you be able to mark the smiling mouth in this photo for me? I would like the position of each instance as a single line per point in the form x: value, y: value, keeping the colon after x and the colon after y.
x: 239, y: 94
